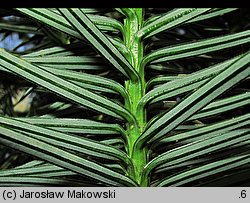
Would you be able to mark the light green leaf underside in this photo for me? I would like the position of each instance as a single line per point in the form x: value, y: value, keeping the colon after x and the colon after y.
x: 38, y: 167
x: 56, y: 65
x: 116, y: 142
x: 91, y: 82
x: 160, y: 80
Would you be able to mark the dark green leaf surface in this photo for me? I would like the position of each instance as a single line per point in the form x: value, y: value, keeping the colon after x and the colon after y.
x: 199, y: 148
x: 61, y: 157
x: 89, y: 31
x: 76, y: 125
x: 210, y: 130
x: 197, y: 48
x: 67, y: 141
x: 205, y: 171
x: 62, y: 87
x: 232, y: 75
x: 183, y: 85
x: 170, y: 20
x: 124, y: 97
x: 58, y: 22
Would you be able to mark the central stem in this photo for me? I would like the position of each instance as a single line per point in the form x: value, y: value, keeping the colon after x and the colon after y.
x: 136, y: 90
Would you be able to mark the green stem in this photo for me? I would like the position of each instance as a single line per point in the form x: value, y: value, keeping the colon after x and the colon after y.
x: 136, y: 90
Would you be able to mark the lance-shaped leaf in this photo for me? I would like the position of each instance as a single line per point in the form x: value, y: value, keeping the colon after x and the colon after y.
x: 205, y: 171
x: 89, y: 10
x: 228, y: 78
x: 8, y: 25
x: 173, y: 18
x: 214, y: 108
x: 65, y: 50
x: 212, y: 13
x: 197, y: 48
x: 209, y: 130
x: 63, y: 58
x: 94, y: 81
x: 58, y: 22
x: 183, y: 85
x: 31, y: 164
x: 56, y: 65
x: 66, y: 62
x: 160, y: 80
x: 69, y: 125
x: 62, y: 87
x: 46, y: 170
x: 235, y: 150
x: 223, y: 105
x: 104, y: 23
x: 67, y: 141
x: 236, y: 178
x: 72, y: 147
x: 198, y: 148
x: 43, y: 170
x: 62, y: 158
x: 88, y: 30
x: 116, y: 142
